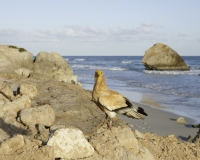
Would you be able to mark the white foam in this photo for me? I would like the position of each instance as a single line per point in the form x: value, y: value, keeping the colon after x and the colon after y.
x: 97, y: 67
x: 79, y: 59
x: 191, y: 72
x: 126, y: 62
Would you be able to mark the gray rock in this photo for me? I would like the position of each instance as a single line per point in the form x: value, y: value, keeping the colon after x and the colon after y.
x: 70, y: 143
x: 196, y: 125
x: 39, y: 115
x: 162, y: 57
x: 53, y: 66
x: 197, y: 138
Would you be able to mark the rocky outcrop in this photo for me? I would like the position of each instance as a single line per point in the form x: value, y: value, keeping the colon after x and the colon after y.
x: 70, y: 143
x: 16, y: 62
x: 53, y: 66
x: 75, y: 113
x: 13, y: 58
x: 162, y: 57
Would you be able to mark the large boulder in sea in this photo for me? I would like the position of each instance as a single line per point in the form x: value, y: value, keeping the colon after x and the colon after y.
x: 13, y: 59
x: 53, y: 66
x: 162, y: 57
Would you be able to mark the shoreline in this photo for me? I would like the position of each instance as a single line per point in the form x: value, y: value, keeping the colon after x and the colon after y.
x: 158, y: 121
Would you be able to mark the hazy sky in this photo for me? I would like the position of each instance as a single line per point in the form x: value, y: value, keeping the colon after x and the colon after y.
x: 103, y: 27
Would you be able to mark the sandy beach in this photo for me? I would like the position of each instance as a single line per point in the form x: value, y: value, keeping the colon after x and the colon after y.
x: 158, y: 121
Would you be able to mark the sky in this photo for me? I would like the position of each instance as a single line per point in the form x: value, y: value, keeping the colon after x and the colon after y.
x: 101, y: 27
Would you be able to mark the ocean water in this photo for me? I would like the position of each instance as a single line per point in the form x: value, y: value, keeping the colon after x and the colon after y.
x: 174, y: 91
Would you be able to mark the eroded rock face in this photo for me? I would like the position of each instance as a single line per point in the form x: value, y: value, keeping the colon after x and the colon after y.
x: 16, y: 62
x: 70, y: 143
x: 13, y: 58
x: 53, y: 66
x: 162, y: 57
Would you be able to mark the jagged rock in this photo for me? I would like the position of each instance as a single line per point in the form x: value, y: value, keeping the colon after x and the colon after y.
x: 42, y: 133
x: 29, y: 90
x: 39, y: 115
x: 11, y: 145
x: 119, y: 143
x: 162, y: 57
x: 13, y: 58
x: 196, y: 125
x: 181, y: 120
x: 53, y: 66
x: 70, y: 143
x: 197, y: 138
x: 6, y: 91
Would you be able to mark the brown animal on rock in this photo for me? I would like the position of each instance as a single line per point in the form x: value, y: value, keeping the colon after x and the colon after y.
x: 112, y: 102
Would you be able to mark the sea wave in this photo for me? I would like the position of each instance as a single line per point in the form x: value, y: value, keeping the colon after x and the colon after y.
x: 98, y: 67
x: 168, y: 90
x: 126, y: 62
x: 191, y: 72
x: 79, y: 59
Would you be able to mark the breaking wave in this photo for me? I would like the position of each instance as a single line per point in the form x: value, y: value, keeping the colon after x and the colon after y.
x: 191, y: 72
x: 98, y: 67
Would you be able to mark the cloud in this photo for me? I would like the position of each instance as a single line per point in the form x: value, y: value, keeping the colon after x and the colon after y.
x: 81, y: 34
x: 151, y: 25
x: 182, y: 34
x: 147, y: 25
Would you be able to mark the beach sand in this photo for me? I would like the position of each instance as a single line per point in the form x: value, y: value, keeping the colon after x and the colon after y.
x: 162, y: 123
x: 158, y: 121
